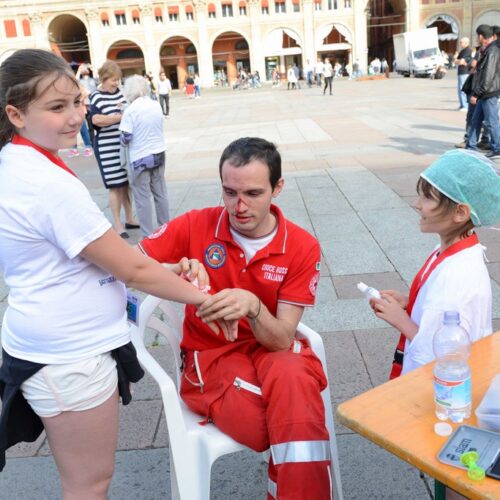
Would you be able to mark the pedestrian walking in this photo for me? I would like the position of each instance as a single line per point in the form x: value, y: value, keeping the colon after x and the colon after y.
x: 328, y: 74
x: 164, y: 93
x: 142, y: 131
x: 291, y: 78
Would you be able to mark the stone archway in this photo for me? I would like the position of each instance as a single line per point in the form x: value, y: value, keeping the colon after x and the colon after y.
x: 447, y: 28
x: 491, y: 17
x: 68, y: 38
x: 282, y: 48
x: 129, y: 57
x: 178, y: 57
x: 334, y: 41
x: 230, y: 53
x: 385, y: 18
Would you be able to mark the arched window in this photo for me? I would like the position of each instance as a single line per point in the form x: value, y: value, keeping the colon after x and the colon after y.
x: 190, y: 49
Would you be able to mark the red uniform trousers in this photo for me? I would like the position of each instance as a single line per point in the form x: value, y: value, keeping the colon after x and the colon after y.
x: 267, y: 399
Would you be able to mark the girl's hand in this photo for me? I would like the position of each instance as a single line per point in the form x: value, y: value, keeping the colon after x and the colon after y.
x: 399, y: 297
x: 390, y: 309
x: 191, y: 270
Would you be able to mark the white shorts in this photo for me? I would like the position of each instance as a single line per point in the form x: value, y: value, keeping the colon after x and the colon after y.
x: 71, y: 387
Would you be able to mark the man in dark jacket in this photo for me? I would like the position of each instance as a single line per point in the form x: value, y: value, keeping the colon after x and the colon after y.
x: 485, y: 92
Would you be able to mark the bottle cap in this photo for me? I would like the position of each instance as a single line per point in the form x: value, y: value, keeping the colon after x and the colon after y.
x: 362, y: 287
x: 451, y: 318
x: 442, y: 429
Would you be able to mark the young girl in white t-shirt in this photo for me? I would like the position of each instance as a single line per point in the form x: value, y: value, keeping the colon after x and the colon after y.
x: 459, y: 191
x: 65, y: 268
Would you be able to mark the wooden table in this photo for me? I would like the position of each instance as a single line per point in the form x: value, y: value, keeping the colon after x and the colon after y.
x: 399, y: 416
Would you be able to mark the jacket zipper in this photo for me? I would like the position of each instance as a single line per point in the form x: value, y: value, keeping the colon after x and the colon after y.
x: 243, y: 384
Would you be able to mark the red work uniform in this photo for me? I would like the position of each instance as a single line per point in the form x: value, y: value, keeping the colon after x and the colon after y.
x: 260, y: 398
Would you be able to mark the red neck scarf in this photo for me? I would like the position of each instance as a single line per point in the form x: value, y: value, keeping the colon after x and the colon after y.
x: 418, y: 282
x: 22, y: 141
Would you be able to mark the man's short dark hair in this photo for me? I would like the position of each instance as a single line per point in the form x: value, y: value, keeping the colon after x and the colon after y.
x: 496, y: 30
x: 485, y: 30
x: 242, y: 151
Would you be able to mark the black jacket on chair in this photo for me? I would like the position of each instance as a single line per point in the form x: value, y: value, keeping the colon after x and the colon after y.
x: 486, y: 81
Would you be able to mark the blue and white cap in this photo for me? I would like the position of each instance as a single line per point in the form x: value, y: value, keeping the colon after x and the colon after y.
x: 468, y: 177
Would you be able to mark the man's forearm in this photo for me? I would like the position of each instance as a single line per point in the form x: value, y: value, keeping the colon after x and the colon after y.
x: 273, y: 333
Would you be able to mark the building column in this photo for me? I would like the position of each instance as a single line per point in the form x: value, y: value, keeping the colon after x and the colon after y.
x: 309, y: 47
x: 257, y: 61
x: 40, y: 37
x: 97, y: 57
x: 413, y: 15
x: 204, y: 49
x: 151, y: 52
x: 360, y: 42
x: 467, y: 19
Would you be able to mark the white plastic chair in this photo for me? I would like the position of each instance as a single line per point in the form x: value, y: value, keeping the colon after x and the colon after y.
x: 194, y: 447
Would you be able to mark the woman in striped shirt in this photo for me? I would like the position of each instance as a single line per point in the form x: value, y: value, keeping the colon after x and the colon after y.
x: 106, y: 107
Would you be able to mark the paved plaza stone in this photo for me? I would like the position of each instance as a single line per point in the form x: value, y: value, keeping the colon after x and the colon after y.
x: 351, y: 162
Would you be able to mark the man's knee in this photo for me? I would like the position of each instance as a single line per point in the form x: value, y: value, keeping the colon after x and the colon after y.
x: 297, y: 367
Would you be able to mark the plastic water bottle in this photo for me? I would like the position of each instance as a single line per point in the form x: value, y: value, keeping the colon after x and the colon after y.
x: 452, y: 383
x: 368, y: 291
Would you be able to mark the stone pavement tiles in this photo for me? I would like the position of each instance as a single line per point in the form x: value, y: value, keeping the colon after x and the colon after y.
x: 350, y: 166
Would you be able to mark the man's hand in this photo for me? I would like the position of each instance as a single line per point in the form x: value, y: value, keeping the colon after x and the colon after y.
x: 229, y: 305
x: 472, y: 99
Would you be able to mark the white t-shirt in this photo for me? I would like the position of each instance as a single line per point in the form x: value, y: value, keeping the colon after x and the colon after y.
x: 164, y: 86
x: 144, y: 120
x: 290, y: 76
x: 319, y: 68
x: 61, y: 308
x: 328, y: 70
x: 460, y: 283
x: 251, y: 246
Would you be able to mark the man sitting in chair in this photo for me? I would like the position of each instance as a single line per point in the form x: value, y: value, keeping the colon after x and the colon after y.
x: 258, y: 384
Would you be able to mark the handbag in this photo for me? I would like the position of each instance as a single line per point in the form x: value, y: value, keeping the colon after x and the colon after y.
x: 467, y: 86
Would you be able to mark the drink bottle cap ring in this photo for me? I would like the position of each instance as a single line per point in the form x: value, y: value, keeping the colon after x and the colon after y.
x: 442, y: 429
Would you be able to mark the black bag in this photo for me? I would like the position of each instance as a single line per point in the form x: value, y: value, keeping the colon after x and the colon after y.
x: 467, y: 86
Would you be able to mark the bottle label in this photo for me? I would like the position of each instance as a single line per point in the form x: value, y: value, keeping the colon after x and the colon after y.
x: 454, y: 395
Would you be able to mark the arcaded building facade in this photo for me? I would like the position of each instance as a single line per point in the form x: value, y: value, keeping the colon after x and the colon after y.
x: 217, y: 37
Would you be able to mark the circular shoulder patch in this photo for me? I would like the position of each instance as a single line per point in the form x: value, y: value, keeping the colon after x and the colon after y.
x: 313, y: 284
x: 158, y: 232
x: 215, y: 256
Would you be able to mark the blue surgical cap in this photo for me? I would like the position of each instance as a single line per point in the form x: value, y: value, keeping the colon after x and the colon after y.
x: 468, y: 177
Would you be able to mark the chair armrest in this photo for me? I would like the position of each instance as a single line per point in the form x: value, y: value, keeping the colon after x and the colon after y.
x: 161, y: 377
